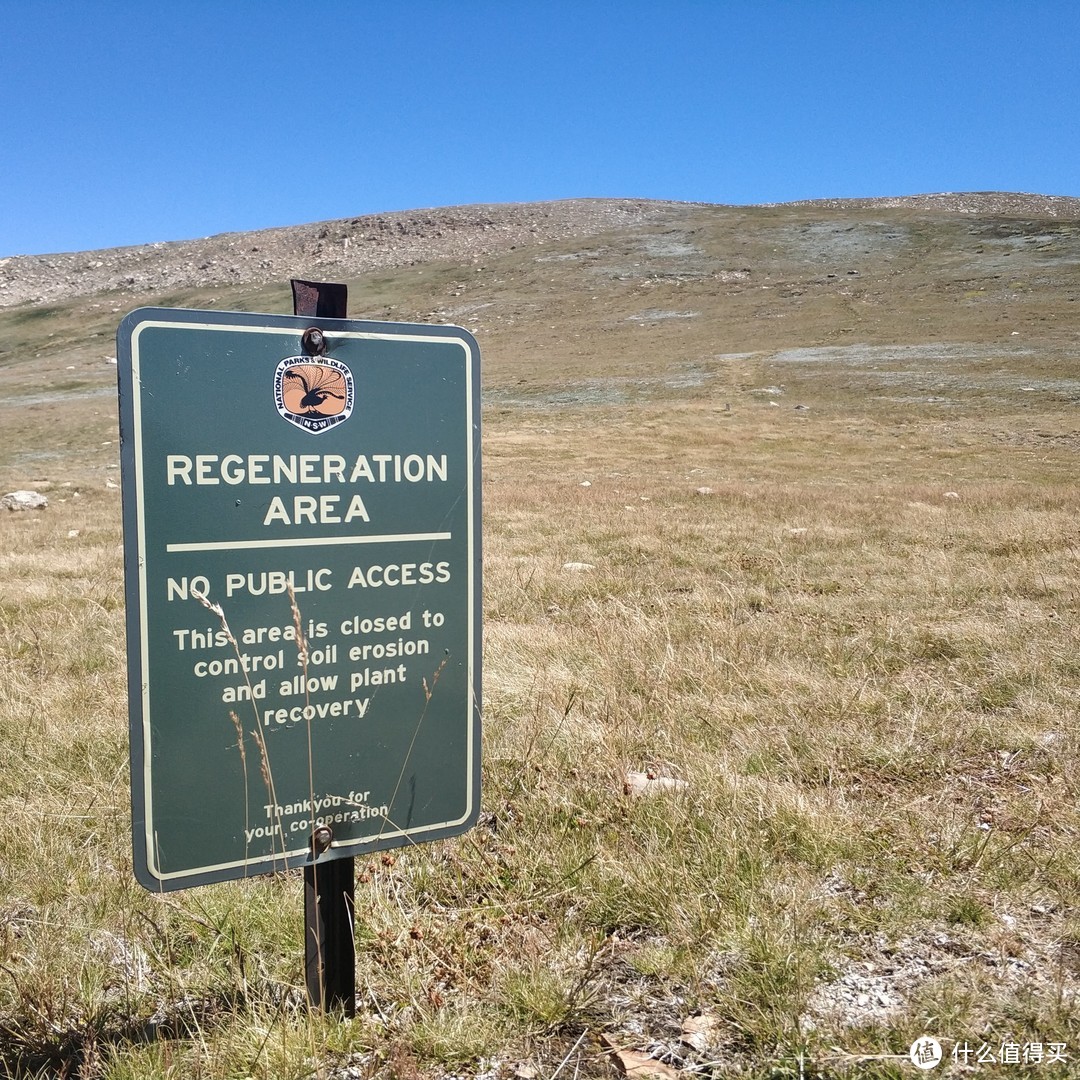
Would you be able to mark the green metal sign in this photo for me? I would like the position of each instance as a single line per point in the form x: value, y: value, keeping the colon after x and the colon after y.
x: 302, y: 550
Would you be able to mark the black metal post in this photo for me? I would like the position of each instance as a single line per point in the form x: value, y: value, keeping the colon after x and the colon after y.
x: 329, y: 946
x: 329, y: 943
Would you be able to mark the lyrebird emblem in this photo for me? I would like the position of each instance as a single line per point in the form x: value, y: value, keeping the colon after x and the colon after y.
x: 314, y: 394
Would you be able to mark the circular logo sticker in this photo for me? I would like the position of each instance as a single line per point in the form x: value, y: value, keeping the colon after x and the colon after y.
x: 313, y: 392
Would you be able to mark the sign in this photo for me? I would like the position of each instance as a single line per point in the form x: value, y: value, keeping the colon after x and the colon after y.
x: 302, y: 569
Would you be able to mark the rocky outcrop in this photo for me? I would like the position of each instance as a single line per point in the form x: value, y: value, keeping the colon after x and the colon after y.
x: 346, y: 247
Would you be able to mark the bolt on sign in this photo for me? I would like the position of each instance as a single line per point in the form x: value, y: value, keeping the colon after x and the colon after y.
x: 302, y: 569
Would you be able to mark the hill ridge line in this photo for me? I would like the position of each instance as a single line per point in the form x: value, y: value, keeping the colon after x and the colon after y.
x: 353, y: 246
x: 350, y: 245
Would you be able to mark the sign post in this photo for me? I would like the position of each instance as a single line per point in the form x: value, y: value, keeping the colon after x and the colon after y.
x: 302, y: 568
x: 329, y: 888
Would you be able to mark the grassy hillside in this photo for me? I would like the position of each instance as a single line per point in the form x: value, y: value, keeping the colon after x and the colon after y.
x: 820, y: 465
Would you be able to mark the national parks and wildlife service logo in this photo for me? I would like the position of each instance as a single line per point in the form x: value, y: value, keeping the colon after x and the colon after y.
x: 313, y: 392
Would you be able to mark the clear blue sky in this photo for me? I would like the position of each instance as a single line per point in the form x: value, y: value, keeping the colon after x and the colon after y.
x: 130, y: 121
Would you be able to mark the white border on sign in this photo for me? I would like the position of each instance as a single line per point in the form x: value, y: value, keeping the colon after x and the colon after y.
x: 270, y: 862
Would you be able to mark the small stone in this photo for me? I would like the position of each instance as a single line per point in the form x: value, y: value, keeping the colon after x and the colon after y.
x: 703, y: 491
x: 24, y: 500
x: 578, y: 567
x: 585, y: 483
x: 951, y: 495
x: 637, y: 784
x: 698, y: 1031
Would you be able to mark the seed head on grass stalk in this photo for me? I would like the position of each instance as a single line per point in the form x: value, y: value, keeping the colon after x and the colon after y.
x: 302, y: 652
x: 243, y: 768
x: 302, y: 655
x: 428, y: 694
x: 264, y: 757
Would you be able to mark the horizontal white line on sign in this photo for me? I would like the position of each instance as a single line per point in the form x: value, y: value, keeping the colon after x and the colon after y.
x: 309, y: 541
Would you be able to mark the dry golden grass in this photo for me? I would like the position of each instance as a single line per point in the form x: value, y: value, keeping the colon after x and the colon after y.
x: 857, y: 648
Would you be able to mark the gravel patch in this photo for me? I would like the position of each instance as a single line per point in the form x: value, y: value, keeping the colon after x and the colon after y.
x: 860, y: 355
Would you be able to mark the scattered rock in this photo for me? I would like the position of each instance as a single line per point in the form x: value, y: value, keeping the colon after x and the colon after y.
x: 951, y: 495
x: 637, y: 784
x: 24, y: 500
x: 585, y: 483
x: 698, y: 1032
x: 656, y: 315
x: 635, y: 1064
x: 703, y: 491
x: 349, y: 246
x: 578, y: 567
